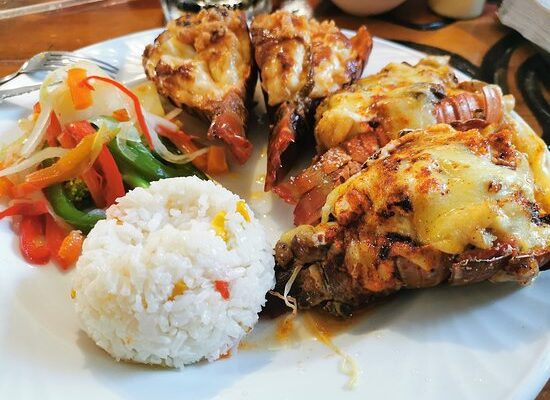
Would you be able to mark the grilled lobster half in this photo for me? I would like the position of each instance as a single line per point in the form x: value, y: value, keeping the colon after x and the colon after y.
x: 301, y: 61
x: 203, y: 62
x: 357, y: 121
x: 436, y: 205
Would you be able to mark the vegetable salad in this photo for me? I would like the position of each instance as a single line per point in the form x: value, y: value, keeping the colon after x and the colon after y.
x: 88, y: 141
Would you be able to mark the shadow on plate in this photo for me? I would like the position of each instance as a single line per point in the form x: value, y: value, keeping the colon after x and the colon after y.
x: 137, y: 381
x: 457, y: 314
x: 41, y: 330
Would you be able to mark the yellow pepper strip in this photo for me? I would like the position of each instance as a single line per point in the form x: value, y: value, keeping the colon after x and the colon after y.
x: 81, y: 93
x: 218, y: 223
x: 241, y: 209
x: 71, y: 165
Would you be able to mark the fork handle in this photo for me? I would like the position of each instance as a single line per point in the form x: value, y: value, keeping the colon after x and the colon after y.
x: 4, y: 94
x: 9, y: 77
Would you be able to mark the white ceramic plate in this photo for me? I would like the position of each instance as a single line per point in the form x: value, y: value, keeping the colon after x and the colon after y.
x: 480, y: 342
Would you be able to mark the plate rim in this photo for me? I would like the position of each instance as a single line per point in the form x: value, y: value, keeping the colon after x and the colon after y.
x: 532, y: 382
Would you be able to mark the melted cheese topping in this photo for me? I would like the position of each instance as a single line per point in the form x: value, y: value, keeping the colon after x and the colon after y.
x: 443, y: 188
x: 398, y: 97
x: 527, y: 141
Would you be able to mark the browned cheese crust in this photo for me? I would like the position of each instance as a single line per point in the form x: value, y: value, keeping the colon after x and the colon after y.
x: 434, y: 206
x: 355, y: 122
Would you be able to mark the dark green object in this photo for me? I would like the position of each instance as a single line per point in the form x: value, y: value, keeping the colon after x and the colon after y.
x: 129, y: 176
x: 77, y: 191
x: 136, y: 159
x: 138, y: 167
x: 64, y: 207
x: 135, y: 181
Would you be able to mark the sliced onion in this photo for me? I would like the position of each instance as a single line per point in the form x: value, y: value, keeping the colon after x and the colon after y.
x: 37, y: 136
x: 159, y: 121
x: 58, y: 75
x: 36, y: 158
x: 160, y: 148
x: 173, y: 114
x: 128, y: 132
x: 289, y: 300
x: 12, y: 148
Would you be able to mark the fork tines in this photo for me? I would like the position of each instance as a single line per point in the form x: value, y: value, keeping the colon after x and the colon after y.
x: 66, y: 58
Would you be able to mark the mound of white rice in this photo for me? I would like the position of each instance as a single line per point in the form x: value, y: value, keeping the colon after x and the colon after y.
x: 149, y: 286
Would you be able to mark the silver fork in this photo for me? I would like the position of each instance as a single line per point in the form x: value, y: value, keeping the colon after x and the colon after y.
x: 50, y: 60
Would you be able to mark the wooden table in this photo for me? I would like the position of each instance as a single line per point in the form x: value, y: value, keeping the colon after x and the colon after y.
x: 481, y: 46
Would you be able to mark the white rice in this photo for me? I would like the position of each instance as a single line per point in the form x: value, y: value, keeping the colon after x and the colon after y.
x: 154, y: 238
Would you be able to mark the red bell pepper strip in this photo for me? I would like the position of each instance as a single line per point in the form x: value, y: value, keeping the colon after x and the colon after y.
x: 54, y: 237
x: 31, y: 240
x: 113, y: 186
x: 135, y: 100
x: 66, y: 140
x: 53, y: 130
x: 79, y: 130
x: 222, y: 287
x: 70, y: 249
x: 94, y: 183
x: 27, y: 209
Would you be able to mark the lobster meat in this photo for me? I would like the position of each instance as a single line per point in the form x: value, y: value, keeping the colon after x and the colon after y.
x: 203, y: 62
x: 301, y: 61
x: 432, y: 207
x: 353, y: 124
